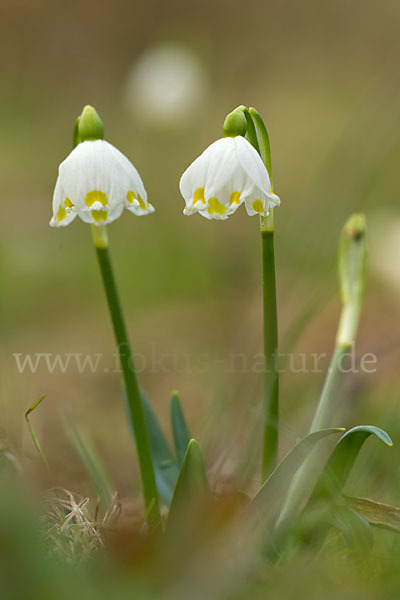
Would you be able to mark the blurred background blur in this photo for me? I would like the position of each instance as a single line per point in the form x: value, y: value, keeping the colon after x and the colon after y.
x: 163, y: 75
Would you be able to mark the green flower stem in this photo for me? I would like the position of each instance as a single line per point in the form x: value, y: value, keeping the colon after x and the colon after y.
x: 271, y: 370
x: 325, y: 412
x: 134, y: 401
x: 352, y: 261
x: 328, y: 399
x: 304, y: 478
x: 256, y: 133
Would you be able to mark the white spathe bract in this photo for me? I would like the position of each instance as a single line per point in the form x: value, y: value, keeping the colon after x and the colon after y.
x: 96, y: 181
x: 226, y: 174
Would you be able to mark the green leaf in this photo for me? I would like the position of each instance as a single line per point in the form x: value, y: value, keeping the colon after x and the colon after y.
x: 312, y: 526
x: 263, y: 140
x: 166, y: 468
x: 269, y: 499
x: 376, y: 513
x: 334, y: 476
x: 179, y: 428
x: 192, y: 485
x: 355, y: 529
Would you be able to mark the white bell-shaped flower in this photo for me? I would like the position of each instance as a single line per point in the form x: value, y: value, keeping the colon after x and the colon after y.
x: 96, y: 181
x: 226, y: 174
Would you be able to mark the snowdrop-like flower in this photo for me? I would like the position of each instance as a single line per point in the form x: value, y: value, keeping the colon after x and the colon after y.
x: 226, y: 174
x: 96, y: 181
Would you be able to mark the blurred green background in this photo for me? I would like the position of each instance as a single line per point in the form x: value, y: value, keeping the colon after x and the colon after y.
x: 325, y: 77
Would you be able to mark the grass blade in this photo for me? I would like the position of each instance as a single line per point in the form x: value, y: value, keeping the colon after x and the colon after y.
x: 179, y: 428
x: 88, y: 456
x: 33, y: 433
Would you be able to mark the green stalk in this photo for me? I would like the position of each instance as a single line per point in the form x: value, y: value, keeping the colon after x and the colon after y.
x: 134, y: 401
x: 248, y: 122
x: 327, y: 401
x: 352, y: 260
x: 264, y: 145
x: 325, y: 412
x: 271, y: 370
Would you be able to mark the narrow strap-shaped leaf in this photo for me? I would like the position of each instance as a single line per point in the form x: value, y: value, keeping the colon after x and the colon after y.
x: 326, y: 494
x: 376, y: 513
x: 33, y: 432
x: 165, y: 465
x: 179, y: 428
x: 336, y: 471
x: 270, y: 496
x: 192, y: 485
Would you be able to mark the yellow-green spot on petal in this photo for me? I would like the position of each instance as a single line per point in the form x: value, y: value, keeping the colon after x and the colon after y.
x: 99, y: 215
x: 198, y: 196
x: 215, y: 206
x: 235, y: 198
x: 131, y: 197
x: 96, y: 196
x: 141, y: 202
x: 258, y: 207
x: 61, y: 213
x: 68, y: 203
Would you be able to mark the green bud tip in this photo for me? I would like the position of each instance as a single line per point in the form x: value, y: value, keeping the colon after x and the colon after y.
x: 352, y: 267
x: 352, y: 259
x: 356, y: 227
x: 235, y: 123
x: 89, y: 125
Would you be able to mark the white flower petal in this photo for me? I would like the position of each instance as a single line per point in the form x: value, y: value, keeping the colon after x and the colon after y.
x: 212, y: 214
x: 135, y: 181
x: 97, y: 181
x: 222, y: 164
x: 195, y: 172
x: 63, y: 213
x: 257, y: 204
x: 101, y: 217
x: 228, y: 173
x: 252, y: 164
x: 274, y: 200
x: 93, y: 167
x: 139, y: 207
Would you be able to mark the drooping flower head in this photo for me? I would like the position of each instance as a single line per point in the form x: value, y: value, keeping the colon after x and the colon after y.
x: 96, y: 181
x: 227, y: 174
